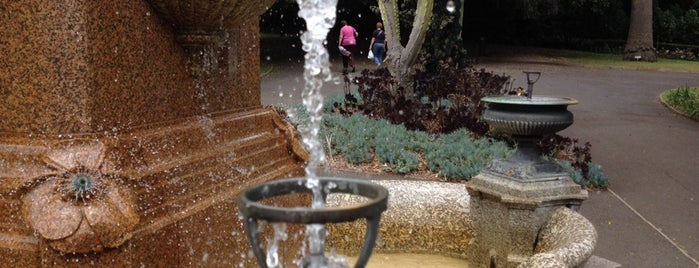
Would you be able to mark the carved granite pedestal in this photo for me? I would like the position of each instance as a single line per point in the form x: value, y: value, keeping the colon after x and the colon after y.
x: 508, y: 214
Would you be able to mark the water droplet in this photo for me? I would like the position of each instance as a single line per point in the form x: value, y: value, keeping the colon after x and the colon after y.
x: 451, y: 7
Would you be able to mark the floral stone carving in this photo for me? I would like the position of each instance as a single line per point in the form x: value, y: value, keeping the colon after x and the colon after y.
x: 82, y: 207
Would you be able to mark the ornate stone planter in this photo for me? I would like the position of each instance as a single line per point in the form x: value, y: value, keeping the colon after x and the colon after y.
x: 521, y: 116
x: 527, y: 120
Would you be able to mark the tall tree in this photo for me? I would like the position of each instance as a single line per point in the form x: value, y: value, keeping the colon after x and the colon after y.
x: 401, y: 58
x: 639, y: 43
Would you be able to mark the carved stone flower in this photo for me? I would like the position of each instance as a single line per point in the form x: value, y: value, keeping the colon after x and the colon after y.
x: 82, y: 207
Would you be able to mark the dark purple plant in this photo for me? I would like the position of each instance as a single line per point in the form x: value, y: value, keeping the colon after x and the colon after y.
x: 440, y: 102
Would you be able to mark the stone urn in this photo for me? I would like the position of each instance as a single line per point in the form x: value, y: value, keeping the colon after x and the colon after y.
x: 527, y: 120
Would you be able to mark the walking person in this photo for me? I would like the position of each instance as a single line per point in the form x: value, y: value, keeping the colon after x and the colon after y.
x: 378, y: 43
x: 348, y: 42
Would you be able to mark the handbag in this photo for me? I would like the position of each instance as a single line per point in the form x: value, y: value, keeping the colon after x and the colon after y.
x: 344, y: 51
x: 370, y: 55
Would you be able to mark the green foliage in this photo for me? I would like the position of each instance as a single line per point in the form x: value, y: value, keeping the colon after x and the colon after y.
x: 596, y: 177
x: 576, y: 160
x: 399, y: 147
x: 575, y: 174
x: 350, y: 136
x: 337, y: 104
x: 684, y: 99
x: 295, y: 114
x: 569, y: 24
x: 454, y: 156
x: 457, y: 156
x: 675, y: 24
x: 443, y: 41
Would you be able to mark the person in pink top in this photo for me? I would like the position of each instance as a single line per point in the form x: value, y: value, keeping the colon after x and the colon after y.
x: 347, y: 42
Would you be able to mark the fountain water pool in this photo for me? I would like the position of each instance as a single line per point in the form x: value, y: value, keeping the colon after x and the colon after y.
x: 414, y: 260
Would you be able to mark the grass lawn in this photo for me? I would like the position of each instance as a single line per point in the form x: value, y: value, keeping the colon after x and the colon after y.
x: 591, y: 59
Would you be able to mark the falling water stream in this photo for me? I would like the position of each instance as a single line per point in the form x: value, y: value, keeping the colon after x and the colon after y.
x: 320, y: 17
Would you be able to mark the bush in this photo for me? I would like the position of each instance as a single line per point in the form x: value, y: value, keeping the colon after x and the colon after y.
x: 676, y: 24
x: 576, y: 160
x: 454, y: 156
x: 457, y: 156
x: 442, y: 102
x: 596, y: 177
x: 684, y: 100
x: 678, y: 52
x: 350, y: 136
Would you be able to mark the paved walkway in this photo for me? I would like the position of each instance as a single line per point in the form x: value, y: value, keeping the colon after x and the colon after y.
x: 650, y: 215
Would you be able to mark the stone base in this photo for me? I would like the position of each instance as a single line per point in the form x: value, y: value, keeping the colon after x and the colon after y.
x: 508, y: 214
x: 555, y: 190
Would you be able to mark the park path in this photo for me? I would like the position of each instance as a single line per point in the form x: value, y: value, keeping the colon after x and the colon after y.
x: 650, y: 215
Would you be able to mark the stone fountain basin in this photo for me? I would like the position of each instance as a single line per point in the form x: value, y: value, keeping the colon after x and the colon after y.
x: 434, y: 218
x: 534, y: 100
x: 535, y: 116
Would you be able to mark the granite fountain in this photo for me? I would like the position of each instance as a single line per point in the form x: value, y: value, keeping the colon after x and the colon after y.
x: 129, y: 128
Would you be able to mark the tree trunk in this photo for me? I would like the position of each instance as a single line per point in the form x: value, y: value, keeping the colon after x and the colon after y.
x: 639, y: 43
x: 400, y: 59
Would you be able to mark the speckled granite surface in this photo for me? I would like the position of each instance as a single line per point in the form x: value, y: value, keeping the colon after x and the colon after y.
x: 102, y: 89
x: 421, y: 217
x: 566, y: 240
x: 436, y: 217
x: 182, y: 182
x: 509, y: 214
x: 74, y: 66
